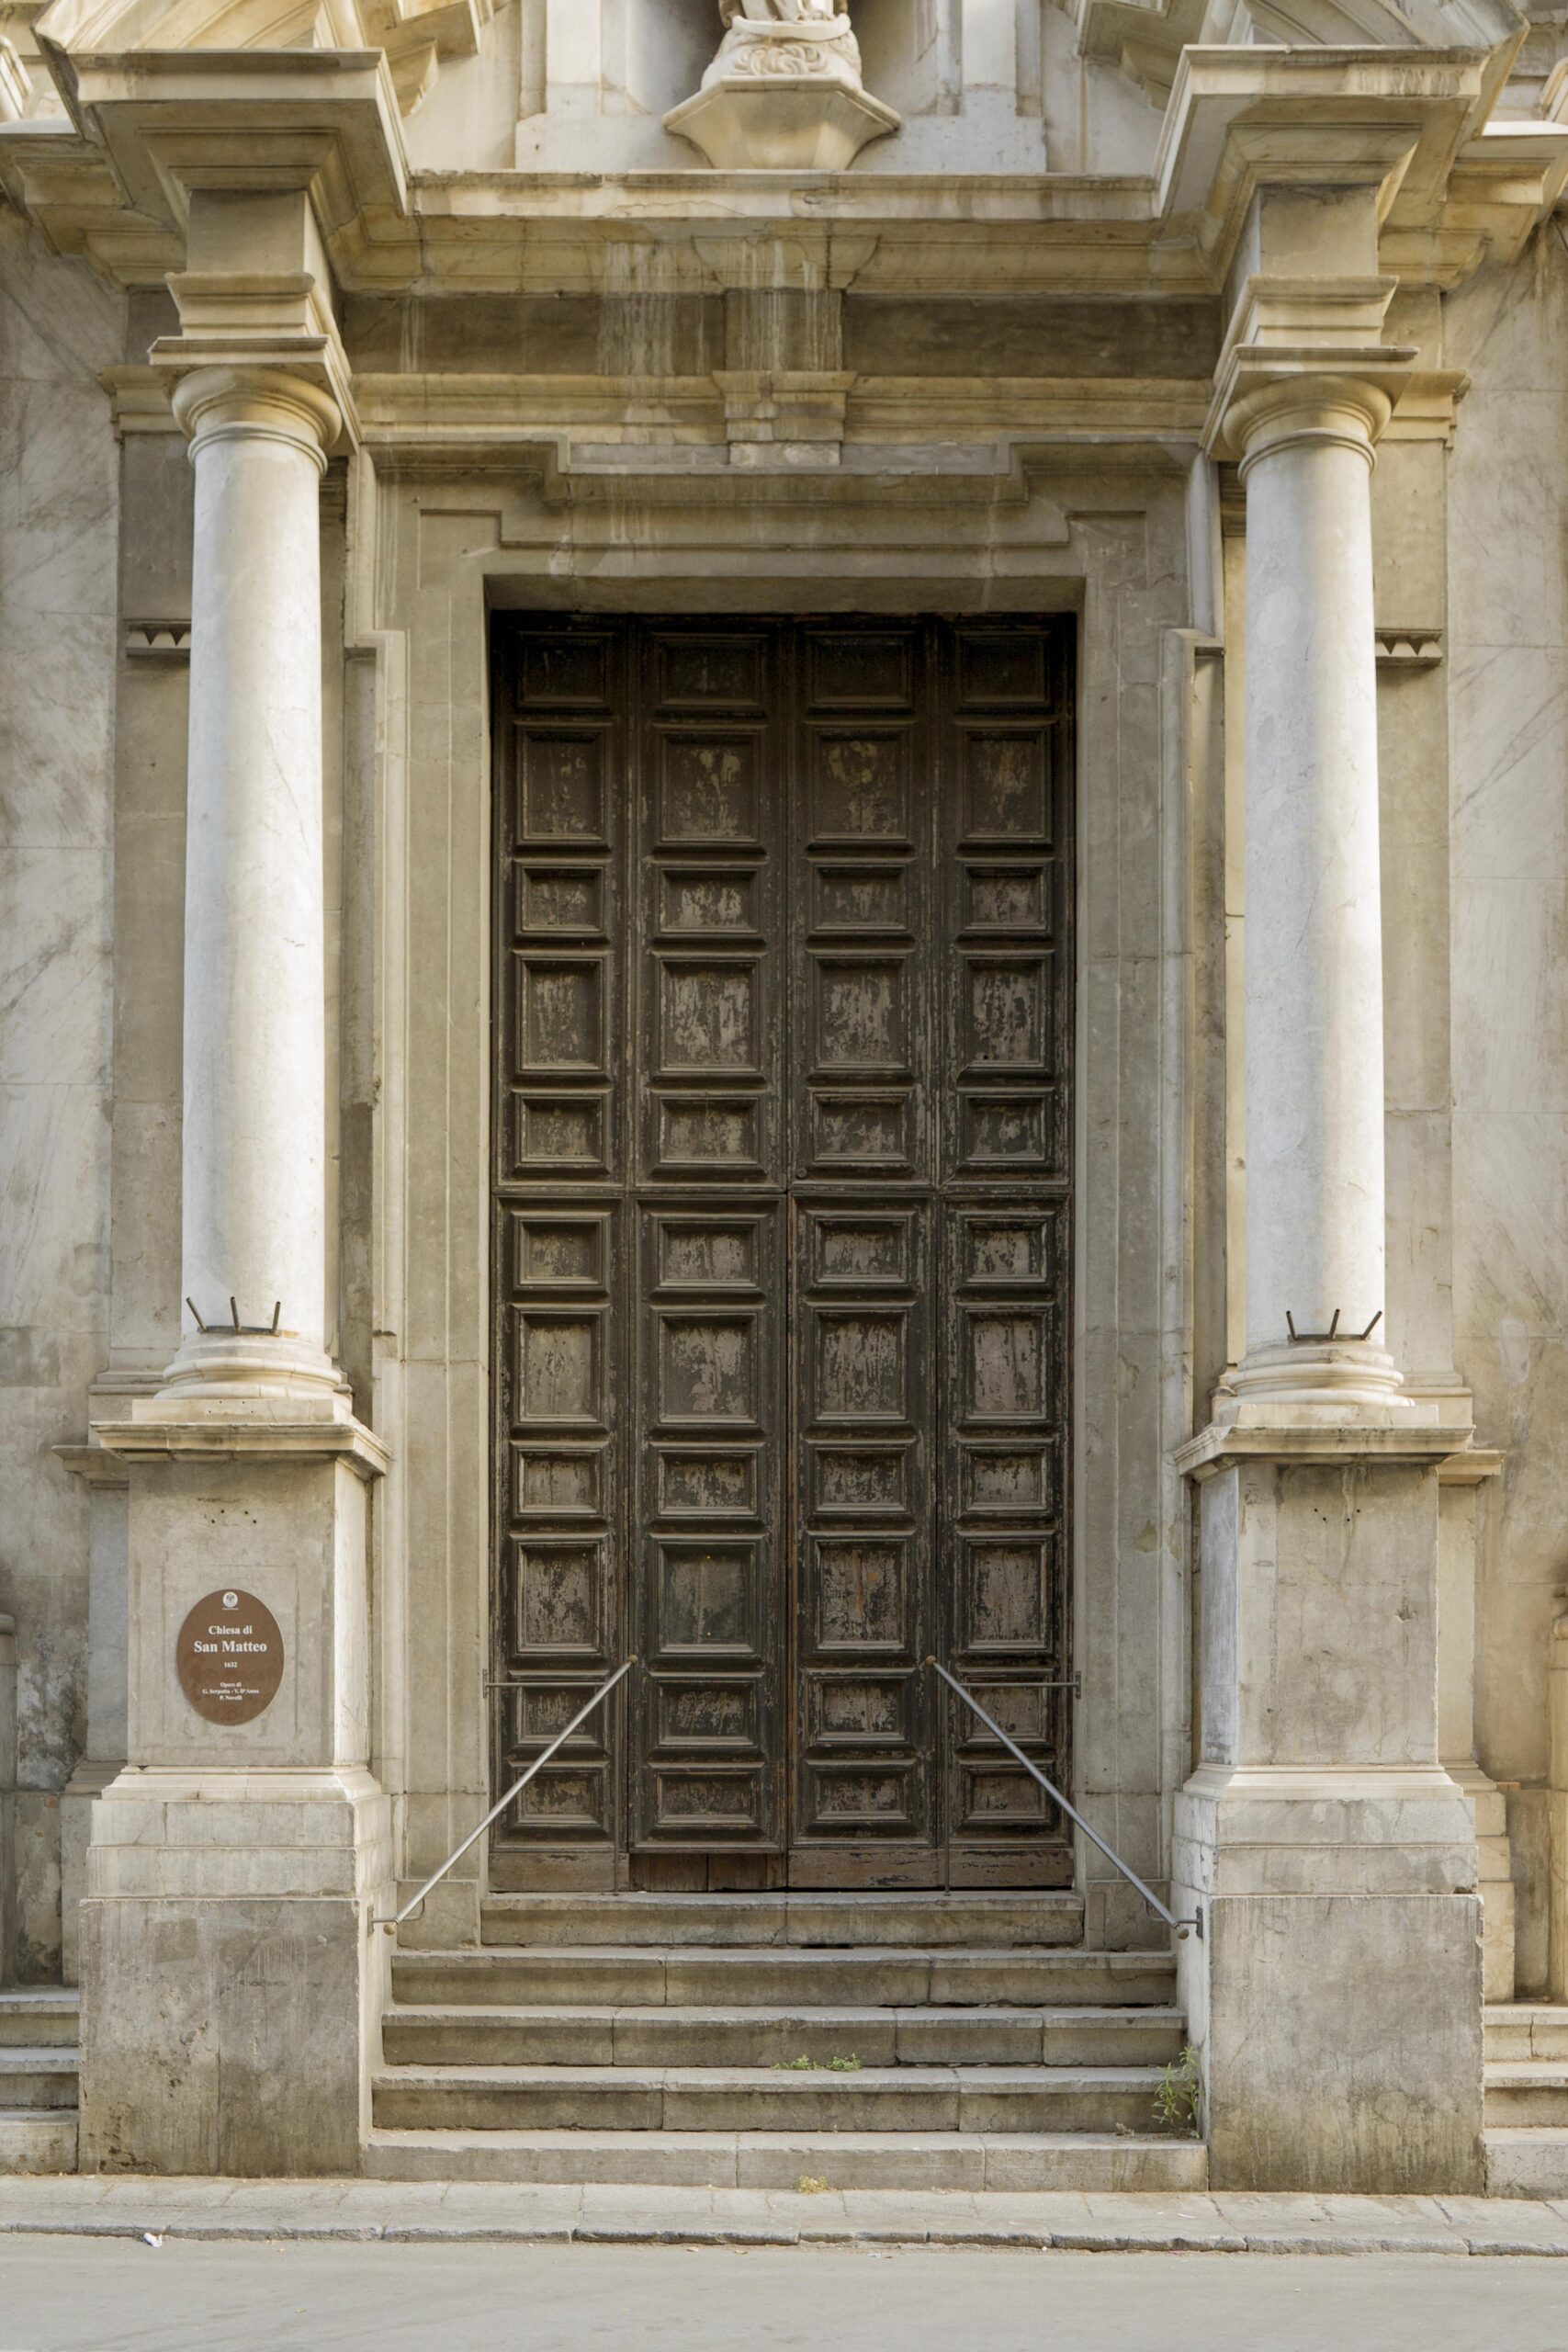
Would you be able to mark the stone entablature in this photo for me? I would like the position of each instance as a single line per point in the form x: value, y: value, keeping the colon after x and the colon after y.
x: 1454, y: 189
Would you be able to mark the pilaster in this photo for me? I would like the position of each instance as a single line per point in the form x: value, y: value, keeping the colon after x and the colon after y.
x: 1557, y: 1702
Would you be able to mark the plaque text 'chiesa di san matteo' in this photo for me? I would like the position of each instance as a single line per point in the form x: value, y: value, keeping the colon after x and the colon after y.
x: 783, y: 1046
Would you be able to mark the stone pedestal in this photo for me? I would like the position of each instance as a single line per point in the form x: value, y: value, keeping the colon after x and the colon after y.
x: 1336, y: 1994
x: 231, y: 1978
x: 783, y: 95
x: 781, y: 126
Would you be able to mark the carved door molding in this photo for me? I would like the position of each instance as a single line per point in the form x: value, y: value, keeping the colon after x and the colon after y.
x: 783, y: 1245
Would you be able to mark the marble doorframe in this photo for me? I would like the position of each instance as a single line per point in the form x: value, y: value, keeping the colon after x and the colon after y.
x: 434, y: 546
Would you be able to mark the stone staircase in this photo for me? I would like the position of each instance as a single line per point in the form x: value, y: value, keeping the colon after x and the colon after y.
x: 1527, y: 2099
x: 863, y: 2041
x: 38, y: 2068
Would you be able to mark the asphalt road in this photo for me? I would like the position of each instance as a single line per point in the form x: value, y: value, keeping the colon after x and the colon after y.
x: 71, y: 2295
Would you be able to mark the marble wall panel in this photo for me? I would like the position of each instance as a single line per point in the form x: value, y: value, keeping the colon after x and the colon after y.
x: 1508, y: 707
x: 58, y: 523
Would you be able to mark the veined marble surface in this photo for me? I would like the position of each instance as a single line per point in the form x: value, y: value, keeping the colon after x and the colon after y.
x: 57, y: 567
x: 1508, y: 710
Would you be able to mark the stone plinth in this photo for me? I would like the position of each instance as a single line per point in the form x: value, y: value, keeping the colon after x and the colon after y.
x: 229, y: 1978
x: 806, y: 126
x: 784, y: 93
x: 1335, y: 1996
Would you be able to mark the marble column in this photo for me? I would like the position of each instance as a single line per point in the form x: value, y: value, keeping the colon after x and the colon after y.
x: 231, y: 1988
x: 1313, y: 986
x: 255, y: 1138
x: 1332, y: 1857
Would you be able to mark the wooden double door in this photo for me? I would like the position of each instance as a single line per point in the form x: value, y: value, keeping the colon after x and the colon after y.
x: 781, y: 1247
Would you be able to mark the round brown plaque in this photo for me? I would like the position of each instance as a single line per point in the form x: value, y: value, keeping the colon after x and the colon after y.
x: 230, y: 1656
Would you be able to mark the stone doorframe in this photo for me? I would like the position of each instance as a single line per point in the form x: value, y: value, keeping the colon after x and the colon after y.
x: 435, y: 543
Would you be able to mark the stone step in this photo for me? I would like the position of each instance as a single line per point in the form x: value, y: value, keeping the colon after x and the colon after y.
x: 780, y: 1975
x: 38, y: 2078
x: 1087, y: 2163
x: 35, y: 2017
x: 990, y: 1921
x: 1521, y: 2162
x: 468, y: 2036
x: 36, y: 2138
x: 1532, y: 2093
x: 741, y: 2098
x: 1517, y: 2030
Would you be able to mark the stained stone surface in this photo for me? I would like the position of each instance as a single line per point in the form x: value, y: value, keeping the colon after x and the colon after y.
x: 592, y: 377
x: 58, y: 533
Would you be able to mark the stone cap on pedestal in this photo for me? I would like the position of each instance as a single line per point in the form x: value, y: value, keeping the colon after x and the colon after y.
x: 1404, y: 1440
x: 228, y: 1428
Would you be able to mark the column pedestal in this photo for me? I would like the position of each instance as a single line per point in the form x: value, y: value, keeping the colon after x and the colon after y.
x: 1336, y: 1995
x: 232, y: 1985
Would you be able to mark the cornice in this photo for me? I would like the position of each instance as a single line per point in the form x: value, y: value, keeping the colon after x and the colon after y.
x: 147, y: 129
x: 112, y: 181
x: 1241, y: 119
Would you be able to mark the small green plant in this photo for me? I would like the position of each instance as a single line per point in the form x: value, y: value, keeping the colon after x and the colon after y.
x: 817, y: 2066
x: 1178, y: 2101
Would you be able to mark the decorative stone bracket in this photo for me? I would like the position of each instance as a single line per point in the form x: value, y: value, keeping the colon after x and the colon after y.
x: 788, y: 420
x: 1408, y: 649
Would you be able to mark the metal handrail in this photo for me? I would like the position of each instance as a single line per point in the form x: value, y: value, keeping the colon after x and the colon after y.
x: 415, y: 1902
x: 1181, y: 1927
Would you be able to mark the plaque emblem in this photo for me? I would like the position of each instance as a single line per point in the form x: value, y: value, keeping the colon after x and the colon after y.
x: 230, y: 1658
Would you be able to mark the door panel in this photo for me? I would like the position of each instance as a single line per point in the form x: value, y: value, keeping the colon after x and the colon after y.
x: 783, y: 996
x: 705, y: 1714
x: 864, y: 1779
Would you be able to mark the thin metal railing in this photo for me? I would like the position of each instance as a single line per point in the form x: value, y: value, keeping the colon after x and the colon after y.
x: 415, y: 1902
x: 1181, y: 1927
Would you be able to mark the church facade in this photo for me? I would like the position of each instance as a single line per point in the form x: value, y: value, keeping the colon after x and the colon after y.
x: 785, y: 893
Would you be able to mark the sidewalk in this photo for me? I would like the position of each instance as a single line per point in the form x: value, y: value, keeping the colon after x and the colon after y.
x: 437, y: 2213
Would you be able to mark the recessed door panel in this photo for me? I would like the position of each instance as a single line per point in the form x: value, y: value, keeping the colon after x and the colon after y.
x: 784, y: 1013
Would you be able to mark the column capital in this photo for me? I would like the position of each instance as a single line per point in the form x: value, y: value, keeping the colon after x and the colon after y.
x: 1269, y: 396
x: 231, y: 403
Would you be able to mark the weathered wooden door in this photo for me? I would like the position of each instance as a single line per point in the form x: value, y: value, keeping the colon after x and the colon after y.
x: 784, y: 978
